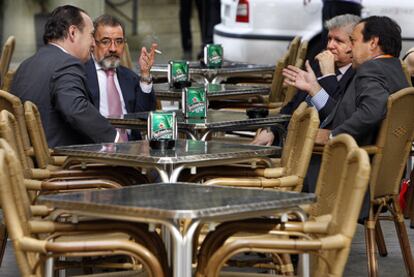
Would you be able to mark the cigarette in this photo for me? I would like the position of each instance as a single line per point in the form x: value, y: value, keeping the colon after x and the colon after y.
x: 158, y: 51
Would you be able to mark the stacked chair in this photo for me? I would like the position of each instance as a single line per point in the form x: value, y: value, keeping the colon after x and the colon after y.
x: 390, y: 155
x: 36, y: 239
x: 279, y: 94
x: 5, y: 59
x: 327, y: 234
x: 288, y: 172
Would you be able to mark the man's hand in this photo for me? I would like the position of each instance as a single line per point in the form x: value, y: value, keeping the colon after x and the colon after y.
x: 263, y: 137
x: 326, y: 62
x: 146, y: 60
x: 322, y: 136
x: 303, y: 80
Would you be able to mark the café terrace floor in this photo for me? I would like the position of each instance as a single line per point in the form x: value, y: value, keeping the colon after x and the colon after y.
x: 389, y: 266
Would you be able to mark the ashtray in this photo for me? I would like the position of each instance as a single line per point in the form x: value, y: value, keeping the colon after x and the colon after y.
x: 162, y: 144
x: 257, y: 112
x: 181, y: 85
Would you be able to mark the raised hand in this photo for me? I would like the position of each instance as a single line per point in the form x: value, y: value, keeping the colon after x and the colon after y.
x: 301, y: 79
x: 146, y: 60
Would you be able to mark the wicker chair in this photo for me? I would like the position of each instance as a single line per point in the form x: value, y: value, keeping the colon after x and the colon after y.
x: 5, y: 58
x: 290, y: 172
x: 390, y: 155
x: 329, y: 231
x: 34, y: 240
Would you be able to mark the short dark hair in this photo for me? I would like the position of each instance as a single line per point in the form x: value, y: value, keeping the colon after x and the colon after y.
x: 59, y: 21
x: 108, y: 20
x: 387, y: 31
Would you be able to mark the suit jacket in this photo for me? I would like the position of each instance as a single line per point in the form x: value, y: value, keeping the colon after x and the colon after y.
x: 55, y: 81
x: 135, y: 100
x: 363, y: 106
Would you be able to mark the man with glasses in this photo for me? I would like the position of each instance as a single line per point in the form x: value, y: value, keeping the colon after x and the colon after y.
x: 54, y: 79
x: 115, y: 89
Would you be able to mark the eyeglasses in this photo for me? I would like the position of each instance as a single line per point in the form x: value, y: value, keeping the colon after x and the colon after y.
x: 107, y: 42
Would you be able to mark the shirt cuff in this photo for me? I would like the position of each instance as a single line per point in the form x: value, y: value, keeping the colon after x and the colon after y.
x: 145, y: 87
x: 319, y: 99
x: 324, y: 76
x: 117, y: 137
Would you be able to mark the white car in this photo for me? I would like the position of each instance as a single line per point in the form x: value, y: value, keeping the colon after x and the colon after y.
x: 259, y: 31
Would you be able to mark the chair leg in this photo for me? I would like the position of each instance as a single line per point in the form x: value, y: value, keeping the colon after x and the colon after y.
x: 403, y: 238
x: 3, y: 241
x: 379, y: 237
x: 370, y: 246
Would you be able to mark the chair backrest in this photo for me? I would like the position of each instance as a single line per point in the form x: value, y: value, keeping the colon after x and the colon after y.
x: 126, y: 58
x: 6, y: 56
x: 293, y: 49
x: 344, y: 205
x: 406, y: 72
x: 303, y: 50
x: 332, y: 167
x: 300, y: 139
x: 16, y: 209
x: 290, y: 91
x: 37, y: 134
x: 9, y: 131
x: 393, y: 144
x: 13, y: 104
x: 277, y: 80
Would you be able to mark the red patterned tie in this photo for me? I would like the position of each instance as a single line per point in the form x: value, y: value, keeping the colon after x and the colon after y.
x: 114, y: 100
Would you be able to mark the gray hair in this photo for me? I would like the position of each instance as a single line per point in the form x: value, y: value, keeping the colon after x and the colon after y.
x: 344, y: 21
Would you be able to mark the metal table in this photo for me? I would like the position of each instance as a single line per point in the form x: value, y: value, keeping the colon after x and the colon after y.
x: 217, y: 75
x: 169, y: 163
x: 169, y: 204
x: 214, y: 91
x: 215, y: 121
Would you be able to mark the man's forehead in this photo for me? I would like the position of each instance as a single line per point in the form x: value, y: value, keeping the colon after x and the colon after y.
x: 107, y: 30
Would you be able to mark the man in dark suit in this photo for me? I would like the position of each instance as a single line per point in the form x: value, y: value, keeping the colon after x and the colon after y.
x: 333, y: 67
x: 359, y: 112
x: 134, y: 93
x: 54, y: 79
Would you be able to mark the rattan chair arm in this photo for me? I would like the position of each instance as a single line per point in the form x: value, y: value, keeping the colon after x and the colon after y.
x: 112, y: 246
x: 33, y: 184
x: 288, y: 181
x: 30, y: 152
x: 33, y: 245
x: 371, y: 149
x: 235, y: 182
x: 274, y: 172
x: 58, y: 160
x: 79, y: 184
x: 40, y: 210
x: 308, y: 227
x: 40, y: 174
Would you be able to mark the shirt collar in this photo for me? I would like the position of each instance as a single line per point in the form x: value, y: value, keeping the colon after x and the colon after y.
x: 344, y: 68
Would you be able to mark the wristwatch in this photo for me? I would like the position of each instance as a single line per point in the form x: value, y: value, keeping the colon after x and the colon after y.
x: 147, y: 80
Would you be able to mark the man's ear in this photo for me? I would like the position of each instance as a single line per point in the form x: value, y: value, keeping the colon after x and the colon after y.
x: 373, y: 43
x: 72, y: 32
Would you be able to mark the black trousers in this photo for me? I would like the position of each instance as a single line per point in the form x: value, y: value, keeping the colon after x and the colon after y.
x: 185, y: 26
